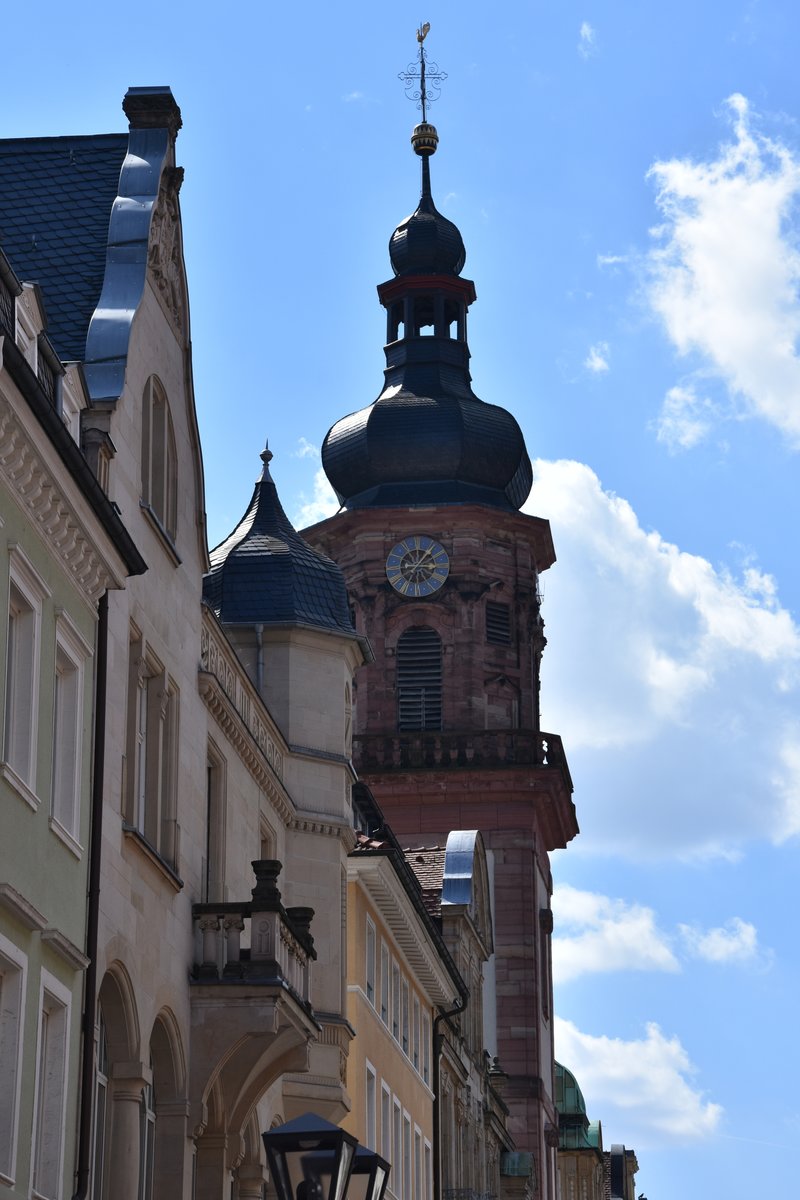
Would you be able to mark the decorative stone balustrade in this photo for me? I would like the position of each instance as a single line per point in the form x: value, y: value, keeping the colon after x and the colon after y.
x: 257, y: 941
x: 219, y: 661
x: 441, y: 751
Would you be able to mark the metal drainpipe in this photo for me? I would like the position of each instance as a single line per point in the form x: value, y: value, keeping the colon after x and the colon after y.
x: 437, y: 1111
x: 260, y: 659
x: 93, y: 911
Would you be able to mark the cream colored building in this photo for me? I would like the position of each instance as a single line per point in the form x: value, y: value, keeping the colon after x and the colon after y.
x: 217, y: 1004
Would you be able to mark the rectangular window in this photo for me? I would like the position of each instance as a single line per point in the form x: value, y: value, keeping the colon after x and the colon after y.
x: 405, y: 1017
x: 407, y: 1175
x: 385, y: 998
x: 13, y: 970
x: 26, y: 593
x: 426, y: 1047
x: 415, y: 1035
x: 417, y: 1163
x: 386, y: 1122
x: 397, y: 1150
x: 51, y: 1088
x: 428, y: 1170
x: 395, y: 1001
x: 152, y: 751
x: 214, y: 872
x: 68, y: 727
x: 370, y: 961
x: 371, y: 1115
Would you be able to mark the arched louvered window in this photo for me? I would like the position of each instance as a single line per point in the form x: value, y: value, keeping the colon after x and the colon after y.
x: 419, y: 679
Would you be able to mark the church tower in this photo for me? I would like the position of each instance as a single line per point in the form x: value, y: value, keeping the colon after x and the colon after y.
x: 442, y: 572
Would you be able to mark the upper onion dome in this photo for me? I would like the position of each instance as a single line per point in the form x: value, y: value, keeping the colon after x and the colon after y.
x: 426, y: 243
x: 427, y: 439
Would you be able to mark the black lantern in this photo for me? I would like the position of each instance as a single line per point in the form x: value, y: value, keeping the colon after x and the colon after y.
x: 310, y: 1159
x: 370, y: 1176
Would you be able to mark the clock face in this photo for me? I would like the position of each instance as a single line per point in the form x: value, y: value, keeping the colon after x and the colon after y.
x: 417, y: 566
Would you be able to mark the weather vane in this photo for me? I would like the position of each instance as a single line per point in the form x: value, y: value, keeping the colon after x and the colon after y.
x: 423, y: 80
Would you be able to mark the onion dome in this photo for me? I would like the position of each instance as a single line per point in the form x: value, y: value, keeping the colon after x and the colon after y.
x: 427, y: 439
x: 265, y: 574
x: 426, y: 243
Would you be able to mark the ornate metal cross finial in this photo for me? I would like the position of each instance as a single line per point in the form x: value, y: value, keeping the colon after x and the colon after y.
x: 423, y: 80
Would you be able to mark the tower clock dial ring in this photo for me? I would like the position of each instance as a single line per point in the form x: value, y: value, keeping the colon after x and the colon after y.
x: 417, y: 566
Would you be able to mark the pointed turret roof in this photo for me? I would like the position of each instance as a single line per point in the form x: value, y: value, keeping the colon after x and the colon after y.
x: 264, y: 573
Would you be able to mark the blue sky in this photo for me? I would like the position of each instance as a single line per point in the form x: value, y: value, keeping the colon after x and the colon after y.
x: 626, y: 179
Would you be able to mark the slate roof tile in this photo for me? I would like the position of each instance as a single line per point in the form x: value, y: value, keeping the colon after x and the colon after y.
x: 56, y: 196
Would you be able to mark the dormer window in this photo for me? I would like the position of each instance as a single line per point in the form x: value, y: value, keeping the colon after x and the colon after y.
x: 27, y: 335
x: 159, y: 458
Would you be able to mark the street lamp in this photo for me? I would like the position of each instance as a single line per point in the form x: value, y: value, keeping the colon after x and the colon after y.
x: 311, y: 1159
x: 370, y: 1176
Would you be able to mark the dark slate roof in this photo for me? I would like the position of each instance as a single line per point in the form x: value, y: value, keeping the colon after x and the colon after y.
x: 56, y: 196
x: 264, y: 573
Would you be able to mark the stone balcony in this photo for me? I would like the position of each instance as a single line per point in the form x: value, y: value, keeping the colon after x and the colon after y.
x: 252, y: 1019
x: 442, y: 751
x: 257, y: 941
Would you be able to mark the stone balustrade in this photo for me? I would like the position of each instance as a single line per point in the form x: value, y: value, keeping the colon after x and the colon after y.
x: 257, y: 941
x: 440, y: 751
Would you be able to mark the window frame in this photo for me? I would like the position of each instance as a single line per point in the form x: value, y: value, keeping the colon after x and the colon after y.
x: 50, y: 1088
x: 13, y: 975
x: 152, y: 752
x: 67, y: 760
x: 159, y: 459
x: 21, y: 674
x: 370, y: 946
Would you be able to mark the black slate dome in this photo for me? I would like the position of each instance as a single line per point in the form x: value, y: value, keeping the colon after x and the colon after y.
x: 426, y: 243
x: 427, y: 439
x: 264, y: 573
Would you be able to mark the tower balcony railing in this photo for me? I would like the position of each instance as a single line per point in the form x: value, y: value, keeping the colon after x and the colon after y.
x: 256, y: 942
x: 422, y: 750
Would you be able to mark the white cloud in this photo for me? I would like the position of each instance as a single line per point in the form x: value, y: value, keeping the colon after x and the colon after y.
x: 611, y: 260
x: 306, y: 449
x: 685, y: 419
x: 725, y: 270
x: 322, y: 504
x: 735, y: 942
x: 596, y: 934
x: 597, y: 358
x: 353, y: 97
x: 673, y: 682
x: 586, y: 40
x: 605, y: 935
x: 642, y: 1088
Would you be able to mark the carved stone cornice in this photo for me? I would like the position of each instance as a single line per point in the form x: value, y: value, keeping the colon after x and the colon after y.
x: 38, y: 493
x: 165, y: 253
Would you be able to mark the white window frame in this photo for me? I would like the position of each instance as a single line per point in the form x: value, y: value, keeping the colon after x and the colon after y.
x: 50, y: 1088
x: 371, y: 943
x: 101, y: 1119
x: 395, y: 1000
x: 426, y: 1047
x: 13, y: 990
x: 408, y: 1176
x: 159, y: 458
x: 415, y: 1033
x: 71, y: 655
x: 397, y: 1148
x: 405, y: 1041
x: 386, y: 986
x: 418, y: 1185
x: 152, y: 775
x: 428, y: 1156
x: 22, y: 662
x: 386, y: 1121
x: 371, y: 1097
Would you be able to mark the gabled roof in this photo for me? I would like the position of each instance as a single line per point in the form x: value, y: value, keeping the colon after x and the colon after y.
x: 56, y: 196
